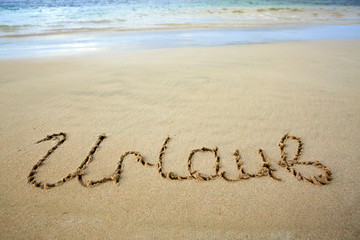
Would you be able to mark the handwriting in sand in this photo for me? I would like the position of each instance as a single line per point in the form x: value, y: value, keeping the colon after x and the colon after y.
x: 265, y: 169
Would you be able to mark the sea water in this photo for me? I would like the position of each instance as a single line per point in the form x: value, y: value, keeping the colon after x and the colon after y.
x: 61, y: 26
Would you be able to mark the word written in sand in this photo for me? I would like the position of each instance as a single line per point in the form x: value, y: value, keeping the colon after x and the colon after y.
x: 265, y: 169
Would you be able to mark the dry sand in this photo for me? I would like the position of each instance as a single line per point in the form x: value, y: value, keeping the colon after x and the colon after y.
x: 233, y: 97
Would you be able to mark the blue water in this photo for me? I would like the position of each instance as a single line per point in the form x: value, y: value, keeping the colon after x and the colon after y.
x: 43, y: 27
x: 41, y: 17
x: 79, y: 3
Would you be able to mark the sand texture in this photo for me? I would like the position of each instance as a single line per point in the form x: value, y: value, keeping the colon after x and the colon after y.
x: 233, y: 142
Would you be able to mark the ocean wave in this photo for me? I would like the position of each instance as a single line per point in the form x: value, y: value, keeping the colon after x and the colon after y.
x: 13, y: 28
x: 16, y: 4
x: 44, y: 21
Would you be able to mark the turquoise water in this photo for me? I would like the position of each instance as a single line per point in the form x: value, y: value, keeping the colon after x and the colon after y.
x: 44, y: 17
x: 63, y: 24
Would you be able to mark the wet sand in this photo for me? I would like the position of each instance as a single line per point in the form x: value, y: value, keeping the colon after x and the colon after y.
x: 232, y: 97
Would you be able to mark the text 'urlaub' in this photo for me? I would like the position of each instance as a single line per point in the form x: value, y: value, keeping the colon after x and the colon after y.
x: 265, y: 169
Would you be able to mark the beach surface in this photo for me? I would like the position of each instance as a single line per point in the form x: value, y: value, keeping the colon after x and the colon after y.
x: 242, y: 97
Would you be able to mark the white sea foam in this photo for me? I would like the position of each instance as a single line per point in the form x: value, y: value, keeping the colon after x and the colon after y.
x: 44, y: 20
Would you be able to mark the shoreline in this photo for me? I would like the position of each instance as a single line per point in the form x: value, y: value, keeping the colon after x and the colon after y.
x: 179, y: 27
x: 145, y: 17
x: 70, y: 44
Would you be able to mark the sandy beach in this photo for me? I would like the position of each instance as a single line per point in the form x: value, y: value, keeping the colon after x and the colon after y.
x: 242, y: 97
